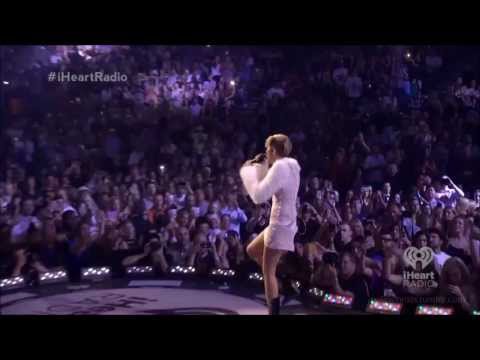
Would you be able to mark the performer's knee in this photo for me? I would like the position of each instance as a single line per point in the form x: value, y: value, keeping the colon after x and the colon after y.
x: 251, y: 252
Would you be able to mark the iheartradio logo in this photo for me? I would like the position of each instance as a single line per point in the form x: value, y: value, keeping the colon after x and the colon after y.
x: 418, y: 258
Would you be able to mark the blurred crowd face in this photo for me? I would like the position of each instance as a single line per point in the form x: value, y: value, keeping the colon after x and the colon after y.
x: 430, y: 194
x: 331, y: 198
x: 190, y: 201
x: 200, y: 196
x: 349, y: 196
x: 397, y: 199
x: 357, y: 228
x: 387, y: 188
x: 183, y: 219
x: 388, y: 243
x: 357, y: 206
x: 128, y: 230
x: 458, y: 226
x: 172, y: 215
x: 449, y: 214
x: 183, y: 235
x: 28, y: 207
x: 327, y: 185
x: 421, y: 240
x: 395, y: 213
x: 204, y: 228
x: 159, y: 201
x: 151, y: 189
x: 225, y: 222
x: 414, y: 205
x: 345, y: 233
x: 435, y: 241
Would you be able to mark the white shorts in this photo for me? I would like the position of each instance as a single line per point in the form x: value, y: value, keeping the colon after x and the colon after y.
x: 279, y: 237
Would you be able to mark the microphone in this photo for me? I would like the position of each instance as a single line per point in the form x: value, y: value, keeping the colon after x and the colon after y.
x: 260, y: 158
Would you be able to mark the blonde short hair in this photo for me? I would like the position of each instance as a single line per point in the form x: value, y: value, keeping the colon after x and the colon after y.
x: 281, y: 143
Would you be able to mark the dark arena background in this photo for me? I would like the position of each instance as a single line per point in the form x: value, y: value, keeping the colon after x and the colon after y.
x: 120, y: 190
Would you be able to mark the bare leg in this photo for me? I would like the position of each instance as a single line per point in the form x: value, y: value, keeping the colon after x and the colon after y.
x: 255, y: 249
x: 270, y: 261
x: 37, y: 265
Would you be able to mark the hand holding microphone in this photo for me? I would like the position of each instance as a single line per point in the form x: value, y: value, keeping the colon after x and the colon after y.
x: 258, y: 159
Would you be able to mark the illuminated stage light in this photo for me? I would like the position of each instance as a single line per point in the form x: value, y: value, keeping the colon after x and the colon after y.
x: 182, y: 270
x: 139, y: 270
x: 316, y: 292
x: 51, y: 277
x: 338, y: 300
x: 433, y: 310
x: 384, y: 307
x: 12, y: 283
x: 96, y: 273
x: 222, y: 273
x: 256, y: 276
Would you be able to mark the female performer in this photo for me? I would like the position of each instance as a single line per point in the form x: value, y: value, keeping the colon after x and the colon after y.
x: 275, y: 175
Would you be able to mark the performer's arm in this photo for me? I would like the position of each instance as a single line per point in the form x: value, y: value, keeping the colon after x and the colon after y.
x: 264, y: 190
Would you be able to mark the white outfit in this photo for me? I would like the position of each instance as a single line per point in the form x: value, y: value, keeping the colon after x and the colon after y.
x: 281, y: 181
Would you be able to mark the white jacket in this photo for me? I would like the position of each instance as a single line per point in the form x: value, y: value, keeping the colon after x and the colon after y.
x: 281, y: 181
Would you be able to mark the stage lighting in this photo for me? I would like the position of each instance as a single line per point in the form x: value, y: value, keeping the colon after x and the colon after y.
x: 51, y: 277
x: 12, y: 283
x: 476, y: 312
x: 338, y: 300
x: 408, y: 55
x: 182, y: 270
x: 256, y: 276
x: 5, y: 82
x: 433, y: 310
x: 232, y: 82
x: 96, y: 273
x: 139, y: 270
x: 222, y: 273
x: 384, y: 307
x: 296, y: 285
x: 316, y: 292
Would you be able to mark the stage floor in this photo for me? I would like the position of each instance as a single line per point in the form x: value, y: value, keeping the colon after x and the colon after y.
x: 146, y: 297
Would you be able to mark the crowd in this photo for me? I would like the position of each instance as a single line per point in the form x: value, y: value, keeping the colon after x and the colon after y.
x: 146, y: 172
